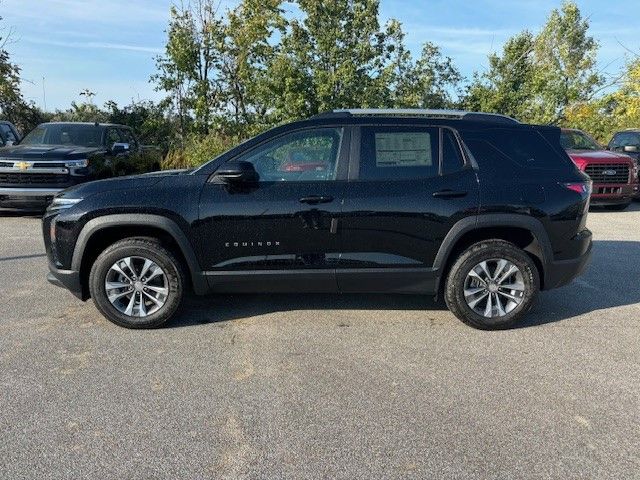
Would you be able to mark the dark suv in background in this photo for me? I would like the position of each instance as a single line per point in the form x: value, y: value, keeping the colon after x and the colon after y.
x: 627, y: 142
x: 9, y: 134
x: 55, y: 156
x: 477, y: 207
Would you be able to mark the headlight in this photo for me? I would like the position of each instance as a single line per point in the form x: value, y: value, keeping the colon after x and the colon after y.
x: 63, y: 203
x: 77, y: 163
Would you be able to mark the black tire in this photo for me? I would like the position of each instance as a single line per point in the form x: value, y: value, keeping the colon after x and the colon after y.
x: 474, y: 255
x: 618, y: 207
x: 147, y: 248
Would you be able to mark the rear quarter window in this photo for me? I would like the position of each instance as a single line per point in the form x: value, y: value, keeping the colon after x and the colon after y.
x: 523, y: 147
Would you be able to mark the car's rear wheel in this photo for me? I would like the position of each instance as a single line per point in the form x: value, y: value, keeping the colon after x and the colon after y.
x: 492, y: 285
x: 137, y: 283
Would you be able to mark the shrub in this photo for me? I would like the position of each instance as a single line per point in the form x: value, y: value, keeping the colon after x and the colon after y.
x: 198, y: 150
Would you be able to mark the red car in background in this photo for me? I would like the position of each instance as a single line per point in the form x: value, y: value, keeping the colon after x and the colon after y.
x: 614, y: 175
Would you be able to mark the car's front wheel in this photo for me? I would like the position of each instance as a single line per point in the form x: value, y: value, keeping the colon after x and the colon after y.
x: 137, y: 283
x: 492, y: 285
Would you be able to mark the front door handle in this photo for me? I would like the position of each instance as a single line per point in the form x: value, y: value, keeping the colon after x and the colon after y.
x: 316, y: 199
x: 450, y: 194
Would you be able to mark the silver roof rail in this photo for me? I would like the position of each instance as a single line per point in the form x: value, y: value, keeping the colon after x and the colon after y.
x: 432, y: 113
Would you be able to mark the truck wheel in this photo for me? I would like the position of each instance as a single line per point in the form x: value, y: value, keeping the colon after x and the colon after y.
x: 137, y: 283
x: 492, y: 285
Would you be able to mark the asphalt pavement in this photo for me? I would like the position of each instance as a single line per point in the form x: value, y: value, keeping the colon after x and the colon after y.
x: 322, y: 386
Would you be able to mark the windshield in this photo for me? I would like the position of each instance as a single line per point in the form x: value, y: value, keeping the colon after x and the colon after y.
x: 578, y: 141
x: 81, y: 135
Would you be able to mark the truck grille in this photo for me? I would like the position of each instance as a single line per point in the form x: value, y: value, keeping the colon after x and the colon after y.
x: 32, y: 179
x: 603, y: 173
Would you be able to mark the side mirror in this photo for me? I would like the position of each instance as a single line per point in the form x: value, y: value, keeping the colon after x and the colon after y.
x: 631, y: 149
x: 237, y: 172
x: 9, y: 143
x: 119, y: 148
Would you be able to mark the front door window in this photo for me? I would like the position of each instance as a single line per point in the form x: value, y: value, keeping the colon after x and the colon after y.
x: 304, y: 156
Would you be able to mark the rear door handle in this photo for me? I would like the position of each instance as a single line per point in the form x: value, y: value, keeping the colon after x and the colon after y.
x: 450, y: 194
x: 316, y: 199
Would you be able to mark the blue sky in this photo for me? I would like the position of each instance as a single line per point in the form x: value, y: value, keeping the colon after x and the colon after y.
x: 108, y: 45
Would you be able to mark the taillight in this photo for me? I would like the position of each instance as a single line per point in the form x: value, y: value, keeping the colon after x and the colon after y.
x: 583, y: 188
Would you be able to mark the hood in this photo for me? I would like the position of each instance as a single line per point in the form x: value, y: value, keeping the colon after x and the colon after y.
x: 47, y: 152
x: 597, y: 156
x: 141, y: 182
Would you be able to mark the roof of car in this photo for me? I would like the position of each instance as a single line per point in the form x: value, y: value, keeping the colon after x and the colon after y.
x: 417, y: 113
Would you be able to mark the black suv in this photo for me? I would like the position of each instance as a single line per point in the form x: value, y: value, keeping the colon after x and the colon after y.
x: 8, y: 134
x: 627, y: 142
x: 55, y: 156
x: 478, y: 207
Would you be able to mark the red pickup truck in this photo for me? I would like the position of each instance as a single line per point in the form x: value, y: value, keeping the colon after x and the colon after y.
x: 614, y: 175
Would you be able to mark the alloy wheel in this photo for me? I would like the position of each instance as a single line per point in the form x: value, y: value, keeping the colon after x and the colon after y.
x: 494, y: 288
x: 136, y: 286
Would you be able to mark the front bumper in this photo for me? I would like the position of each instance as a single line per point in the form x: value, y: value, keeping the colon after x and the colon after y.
x: 611, y: 194
x: 68, y: 279
x: 27, y: 198
x: 29, y: 192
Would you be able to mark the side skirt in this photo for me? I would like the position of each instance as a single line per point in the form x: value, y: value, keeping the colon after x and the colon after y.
x: 361, y: 280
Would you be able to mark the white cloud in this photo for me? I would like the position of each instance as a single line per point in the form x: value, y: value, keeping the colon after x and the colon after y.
x: 98, y: 45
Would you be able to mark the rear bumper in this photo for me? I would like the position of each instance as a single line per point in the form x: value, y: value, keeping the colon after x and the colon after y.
x: 562, y: 272
x: 68, y: 279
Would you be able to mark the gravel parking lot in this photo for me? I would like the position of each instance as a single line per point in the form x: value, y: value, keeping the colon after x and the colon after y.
x: 322, y: 386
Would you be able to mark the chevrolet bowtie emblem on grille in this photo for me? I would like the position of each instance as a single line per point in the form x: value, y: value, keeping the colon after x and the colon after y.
x: 22, y: 165
x: 609, y: 173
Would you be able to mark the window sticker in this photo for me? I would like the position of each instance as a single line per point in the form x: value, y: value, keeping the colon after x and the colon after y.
x: 409, y: 149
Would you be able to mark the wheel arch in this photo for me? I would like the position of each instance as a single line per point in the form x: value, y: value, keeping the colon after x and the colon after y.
x: 526, y: 232
x: 101, y: 232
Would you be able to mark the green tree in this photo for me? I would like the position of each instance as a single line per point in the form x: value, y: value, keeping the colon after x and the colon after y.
x: 9, y: 79
x: 537, y: 78
x: 246, y: 51
x: 565, y: 60
x: 431, y: 81
x: 328, y: 58
x: 616, y: 110
x: 507, y: 86
x: 13, y: 107
x: 187, y: 69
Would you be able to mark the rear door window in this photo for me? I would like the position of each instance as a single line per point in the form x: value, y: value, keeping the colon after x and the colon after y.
x: 399, y: 153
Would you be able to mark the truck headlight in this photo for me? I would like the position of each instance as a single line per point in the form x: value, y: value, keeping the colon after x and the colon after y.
x: 77, y: 163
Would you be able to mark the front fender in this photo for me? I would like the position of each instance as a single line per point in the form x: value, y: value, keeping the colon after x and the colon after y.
x: 94, y: 226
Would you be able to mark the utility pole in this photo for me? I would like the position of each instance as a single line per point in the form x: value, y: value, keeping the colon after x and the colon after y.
x: 44, y: 95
